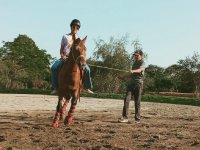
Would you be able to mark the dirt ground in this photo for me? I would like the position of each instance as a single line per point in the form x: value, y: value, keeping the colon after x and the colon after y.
x: 25, y: 123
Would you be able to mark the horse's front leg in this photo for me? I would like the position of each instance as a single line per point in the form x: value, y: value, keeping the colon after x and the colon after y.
x: 58, y: 112
x: 68, y: 119
x: 64, y: 107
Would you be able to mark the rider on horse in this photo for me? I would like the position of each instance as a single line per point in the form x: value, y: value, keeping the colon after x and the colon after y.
x: 70, y: 74
x: 66, y: 43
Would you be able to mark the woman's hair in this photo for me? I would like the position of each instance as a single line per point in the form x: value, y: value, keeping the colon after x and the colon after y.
x: 140, y: 52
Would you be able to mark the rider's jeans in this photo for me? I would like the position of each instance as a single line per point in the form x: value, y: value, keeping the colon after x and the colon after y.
x: 54, y: 75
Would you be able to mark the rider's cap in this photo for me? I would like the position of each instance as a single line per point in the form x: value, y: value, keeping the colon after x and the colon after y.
x: 75, y: 22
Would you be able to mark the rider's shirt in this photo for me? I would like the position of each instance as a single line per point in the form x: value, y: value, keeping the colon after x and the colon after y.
x: 67, y: 42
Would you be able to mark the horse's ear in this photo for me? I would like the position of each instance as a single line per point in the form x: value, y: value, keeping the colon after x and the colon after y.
x: 84, y: 40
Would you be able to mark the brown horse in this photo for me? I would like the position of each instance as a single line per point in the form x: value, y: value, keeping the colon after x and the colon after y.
x: 70, y: 81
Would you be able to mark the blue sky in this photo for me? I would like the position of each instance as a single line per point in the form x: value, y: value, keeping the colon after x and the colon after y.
x: 169, y: 30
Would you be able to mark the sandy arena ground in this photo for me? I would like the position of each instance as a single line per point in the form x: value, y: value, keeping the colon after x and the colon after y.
x: 25, y: 124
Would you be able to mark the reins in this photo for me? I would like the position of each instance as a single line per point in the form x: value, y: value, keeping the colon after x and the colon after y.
x: 108, y: 68
x: 81, y: 75
x: 77, y: 57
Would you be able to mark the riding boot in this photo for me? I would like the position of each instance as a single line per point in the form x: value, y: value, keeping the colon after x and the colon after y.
x: 64, y: 107
x: 68, y: 119
x: 56, y: 119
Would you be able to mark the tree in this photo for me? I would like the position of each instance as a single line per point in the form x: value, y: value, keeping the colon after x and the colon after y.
x: 153, y: 74
x: 112, y: 55
x: 173, y: 73
x: 190, y: 73
x: 25, y: 61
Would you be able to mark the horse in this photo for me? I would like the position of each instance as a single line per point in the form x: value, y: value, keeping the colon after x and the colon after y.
x: 70, y: 81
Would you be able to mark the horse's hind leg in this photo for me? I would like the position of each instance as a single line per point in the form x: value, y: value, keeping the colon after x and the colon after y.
x: 68, y: 119
x: 58, y: 112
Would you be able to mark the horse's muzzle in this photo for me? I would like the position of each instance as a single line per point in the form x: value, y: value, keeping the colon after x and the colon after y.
x: 81, y: 61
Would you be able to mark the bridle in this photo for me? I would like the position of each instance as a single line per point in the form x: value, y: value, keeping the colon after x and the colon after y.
x: 77, y: 58
x: 81, y: 67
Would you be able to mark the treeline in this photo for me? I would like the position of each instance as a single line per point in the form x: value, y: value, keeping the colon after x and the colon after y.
x: 24, y: 65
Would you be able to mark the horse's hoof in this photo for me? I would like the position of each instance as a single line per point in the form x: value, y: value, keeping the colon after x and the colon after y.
x: 70, y: 120
x: 55, y: 124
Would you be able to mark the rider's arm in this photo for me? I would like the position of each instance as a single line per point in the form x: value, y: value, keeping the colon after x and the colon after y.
x: 62, y: 48
x: 61, y: 51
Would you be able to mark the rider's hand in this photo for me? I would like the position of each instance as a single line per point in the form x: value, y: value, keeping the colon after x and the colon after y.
x: 63, y: 57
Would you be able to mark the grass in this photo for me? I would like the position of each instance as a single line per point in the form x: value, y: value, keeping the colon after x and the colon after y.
x: 146, y: 98
x: 172, y: 100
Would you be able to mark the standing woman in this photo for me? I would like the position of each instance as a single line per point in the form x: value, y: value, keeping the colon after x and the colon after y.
x: 134, y: 87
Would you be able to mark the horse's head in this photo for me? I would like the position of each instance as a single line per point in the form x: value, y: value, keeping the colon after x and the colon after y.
x: 79, y: 52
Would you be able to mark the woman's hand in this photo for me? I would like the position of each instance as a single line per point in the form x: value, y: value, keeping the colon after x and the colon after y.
x: 131, y: 71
